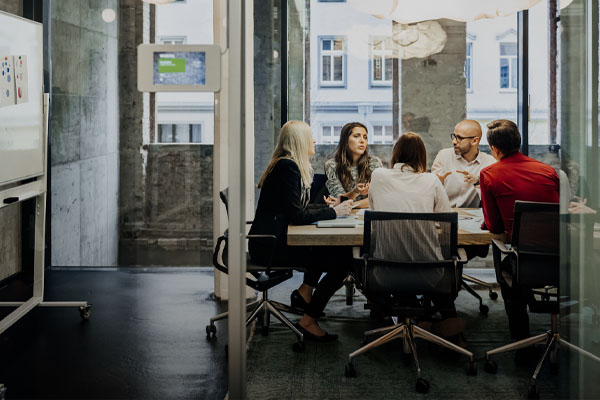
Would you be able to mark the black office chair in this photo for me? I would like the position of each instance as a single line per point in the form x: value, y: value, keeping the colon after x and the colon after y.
x: 264, y: 278
x: 535, y: 263
x: 408, y: 256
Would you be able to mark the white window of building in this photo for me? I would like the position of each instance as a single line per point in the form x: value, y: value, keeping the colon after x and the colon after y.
x: 173, y: 40
x: 469, y: 66
x: 179, y: 133
x: 381, y: 61
x: 330, y: 134
x: 332, y: 61
x: 382, y: 134
x: 508, y: 65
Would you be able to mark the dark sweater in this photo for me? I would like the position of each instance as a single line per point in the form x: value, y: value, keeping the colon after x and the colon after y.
x: 281, y: 204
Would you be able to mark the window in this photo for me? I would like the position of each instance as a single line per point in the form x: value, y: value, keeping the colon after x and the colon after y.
x: 381, y: 61
x: 330, y: 134
x: 383, y: 134
x: 469, y: 66
x: 332, y: 62
x: 173, y: 40
x: 508, y: 65
x: 179, y: 133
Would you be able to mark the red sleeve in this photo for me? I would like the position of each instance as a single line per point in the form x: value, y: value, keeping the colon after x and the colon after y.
x: 491, y: 213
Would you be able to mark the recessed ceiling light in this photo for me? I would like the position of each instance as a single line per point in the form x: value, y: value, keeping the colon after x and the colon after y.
x: 108, y: 15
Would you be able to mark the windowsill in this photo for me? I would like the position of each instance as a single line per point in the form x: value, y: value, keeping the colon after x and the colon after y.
x: 470, y: 91
x: 380, y: 85
x: 507, y: 90
x: 332, y: 86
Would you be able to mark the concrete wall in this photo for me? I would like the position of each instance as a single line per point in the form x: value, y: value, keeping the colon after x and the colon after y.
x: 176, y: 228
x: 433, y: 89
x: 84, y: 134
x: 10, y: 217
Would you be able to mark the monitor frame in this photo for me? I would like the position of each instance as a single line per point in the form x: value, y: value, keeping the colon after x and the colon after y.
x: 145, y: 66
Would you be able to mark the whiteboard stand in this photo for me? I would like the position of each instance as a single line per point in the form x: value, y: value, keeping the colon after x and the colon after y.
x: 37, y: 190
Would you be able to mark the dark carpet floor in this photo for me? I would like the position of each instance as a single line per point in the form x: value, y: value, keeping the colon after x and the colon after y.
x: 275, y: 372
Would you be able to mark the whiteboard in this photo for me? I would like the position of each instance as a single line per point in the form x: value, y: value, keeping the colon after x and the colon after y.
x: 22, y: 144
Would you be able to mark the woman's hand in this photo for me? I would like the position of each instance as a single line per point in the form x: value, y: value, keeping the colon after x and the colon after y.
x: 361, y: 189
x: 331, y: 201
x: 344, y: 208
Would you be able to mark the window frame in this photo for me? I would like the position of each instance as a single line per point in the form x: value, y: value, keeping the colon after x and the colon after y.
x: 385, y: 53
x: 172, y: 38
x: 173, y: 124
x: 469, y: 61
x: 511, y: 71
x: 331, y: 126
x: 333, y: 84
x: 384, y: 136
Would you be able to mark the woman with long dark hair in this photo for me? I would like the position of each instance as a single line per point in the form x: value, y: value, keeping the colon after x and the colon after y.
x: 349, y: 173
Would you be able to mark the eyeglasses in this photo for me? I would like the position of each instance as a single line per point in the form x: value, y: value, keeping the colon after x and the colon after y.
x: 460, y: 138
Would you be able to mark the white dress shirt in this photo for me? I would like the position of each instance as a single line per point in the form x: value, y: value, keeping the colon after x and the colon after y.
x: 460, y: 193
x: 403, y: 190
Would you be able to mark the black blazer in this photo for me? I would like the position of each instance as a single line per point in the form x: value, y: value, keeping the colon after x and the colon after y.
x: 279, y: 205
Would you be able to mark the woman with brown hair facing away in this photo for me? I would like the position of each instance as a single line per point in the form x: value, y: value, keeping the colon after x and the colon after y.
x: 408, y: 187
x: 349, y: 173
x: 284, y: 197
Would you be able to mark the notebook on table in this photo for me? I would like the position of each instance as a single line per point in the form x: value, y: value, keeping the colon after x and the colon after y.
x: 340, y: 222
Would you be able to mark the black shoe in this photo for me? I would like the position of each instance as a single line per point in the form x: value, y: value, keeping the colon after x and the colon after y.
x: 326, y: 338
x: 297, y: 301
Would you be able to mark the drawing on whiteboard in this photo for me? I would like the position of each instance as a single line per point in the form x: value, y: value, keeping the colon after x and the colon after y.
x: 7, y: 81
x: 21, y: 79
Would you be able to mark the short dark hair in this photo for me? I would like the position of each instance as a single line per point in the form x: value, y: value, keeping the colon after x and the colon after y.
x: 504, y: 135
x: 410, y: 150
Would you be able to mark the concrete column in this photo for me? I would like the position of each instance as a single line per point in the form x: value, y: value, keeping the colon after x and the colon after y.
x: 433, y: 91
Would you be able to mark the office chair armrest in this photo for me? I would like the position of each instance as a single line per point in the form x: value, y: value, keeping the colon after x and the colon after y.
x: 462, y: 256
x: 500, y: 245
x: 273, y: 240
x: 249, y: 222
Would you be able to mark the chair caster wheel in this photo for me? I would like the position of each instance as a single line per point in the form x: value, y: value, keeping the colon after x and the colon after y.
x: 532, y: 392
x: 298, y: 347
x: 471, y: 368
x: 85, y: 311
x: 493, y: 295
x: 350, y: 370
x: 422, y: 385
x: 483, y: 309
x: 490, y: 367
x: 264, y: 330
x: 211, y: 332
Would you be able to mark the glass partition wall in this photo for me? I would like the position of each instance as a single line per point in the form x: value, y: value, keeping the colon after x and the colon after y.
x: 343, y: 69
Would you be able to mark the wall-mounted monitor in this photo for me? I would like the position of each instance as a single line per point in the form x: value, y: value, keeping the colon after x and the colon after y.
x: 179, y: 68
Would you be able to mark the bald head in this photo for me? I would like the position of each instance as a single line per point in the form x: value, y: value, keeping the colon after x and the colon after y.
x: 467, y: 135
x: 468, y: 128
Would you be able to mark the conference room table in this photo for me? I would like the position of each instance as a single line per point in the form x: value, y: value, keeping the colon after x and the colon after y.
x: 469, y: 231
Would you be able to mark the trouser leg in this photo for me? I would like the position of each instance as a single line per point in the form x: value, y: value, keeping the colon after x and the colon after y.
x: 515, y: 301
x: 326, y: 288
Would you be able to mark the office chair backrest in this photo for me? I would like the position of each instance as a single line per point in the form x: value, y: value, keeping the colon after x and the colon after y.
x: 224, y: 194
x: 318, y: 188
x: 536, y: 240
x: 410, y: 253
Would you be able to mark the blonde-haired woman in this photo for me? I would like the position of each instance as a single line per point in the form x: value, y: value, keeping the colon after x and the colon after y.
x: 284, y: 197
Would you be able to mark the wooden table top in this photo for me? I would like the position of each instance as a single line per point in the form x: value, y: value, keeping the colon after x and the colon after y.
x: 469, y: 232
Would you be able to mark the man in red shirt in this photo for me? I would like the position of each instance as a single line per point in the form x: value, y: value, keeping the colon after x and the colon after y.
x: 514, y: 177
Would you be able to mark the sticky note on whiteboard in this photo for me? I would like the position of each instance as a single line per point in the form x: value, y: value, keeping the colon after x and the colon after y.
x: 21, y: 79
x: 7, y: 81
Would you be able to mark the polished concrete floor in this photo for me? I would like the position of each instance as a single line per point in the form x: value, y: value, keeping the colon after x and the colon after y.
x: 145, y: 338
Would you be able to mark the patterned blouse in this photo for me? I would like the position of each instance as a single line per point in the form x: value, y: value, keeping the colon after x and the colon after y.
x: 334, y: 185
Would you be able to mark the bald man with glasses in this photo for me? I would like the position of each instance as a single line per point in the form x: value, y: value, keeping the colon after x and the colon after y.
x: 458, y: 167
